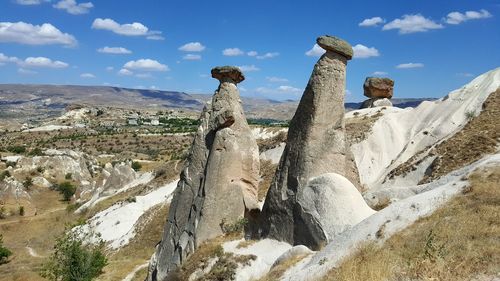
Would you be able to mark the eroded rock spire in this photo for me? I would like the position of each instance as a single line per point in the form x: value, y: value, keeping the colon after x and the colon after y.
x: 316, y: 145
x: 219, y: 183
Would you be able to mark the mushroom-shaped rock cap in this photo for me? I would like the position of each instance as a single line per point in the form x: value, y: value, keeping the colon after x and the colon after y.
x: 376, y: 87
x: 231, y: 72
x: 335, y: 44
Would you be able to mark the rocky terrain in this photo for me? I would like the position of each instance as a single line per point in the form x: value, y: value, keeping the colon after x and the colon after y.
x: 377, y: 193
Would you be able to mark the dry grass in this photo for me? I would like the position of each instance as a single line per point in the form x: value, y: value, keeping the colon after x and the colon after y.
x: 276, y: 272
x: 478, y: 138
x: 358, y: 128
x: 204, y: 253
x: 457, y: 242
x: 246, y: 243
x: 37, y: 232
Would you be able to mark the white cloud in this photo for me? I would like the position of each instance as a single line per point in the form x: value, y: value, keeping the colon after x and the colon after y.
x: 276, y: 79
x: 87, y: 75
x: 74, y: 8
x: 252, y: 53
x: 110, y: 68
x: 26, y: 33
x: 26, y: 71
x: 146, y: 65
x: 32, y: 62
x: 127, y: 29
x: 114, y: 50
x: 371, y: 22
x: 31, y: 2
x: 191, y: 57
x: 379, y: 73
x: 412, y: 23
x: 40, y: 62
x: 155, y: 37
x: 125, y: 72
x: 410, y: 65
x: 248, y: 68
x: 268, y: 55
x: 278, y: 90
x: 457, y: 17
x: 192, y: 47
x: 5, y: 59
x: 362, y: 52
x: 316, y: 51
x: 232, y: 52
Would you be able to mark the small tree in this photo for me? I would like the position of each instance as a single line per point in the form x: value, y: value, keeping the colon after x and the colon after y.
x: 74, y: 259
x: 67, y: 189
x: 21, y: 210
x: 136, y: 166
x: 28, y: 183
x: 4, y: 252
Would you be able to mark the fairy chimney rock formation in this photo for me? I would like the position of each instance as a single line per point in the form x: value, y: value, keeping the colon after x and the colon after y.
x: 379, y: 91
x: 219, y: 183
x: 316, y: 145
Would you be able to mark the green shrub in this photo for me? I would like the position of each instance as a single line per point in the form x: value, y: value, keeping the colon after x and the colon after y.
x: 17, y: 149
x: 4, y: 175
x: 67, y: 189
x: 10, y: 164
x: 4, y: 252
x: 28, y: 183
x: 3, y: 213
x: 74, y: 259
x: 36, y: 152
x: 21, y: 210
x: 68, y: 176
x: 136, y: 166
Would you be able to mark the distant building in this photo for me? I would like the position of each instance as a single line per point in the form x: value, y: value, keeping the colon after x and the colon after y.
x: 155, y: 121
x: 132, y: 121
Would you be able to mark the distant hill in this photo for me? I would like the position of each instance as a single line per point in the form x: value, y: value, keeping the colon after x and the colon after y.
x: 18, y: 100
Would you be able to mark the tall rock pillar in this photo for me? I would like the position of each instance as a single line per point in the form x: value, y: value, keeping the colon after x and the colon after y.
x: 316, y: 145
x: 219, y: 183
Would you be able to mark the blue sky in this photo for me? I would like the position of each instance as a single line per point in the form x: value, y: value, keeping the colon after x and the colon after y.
x: 428, y: 49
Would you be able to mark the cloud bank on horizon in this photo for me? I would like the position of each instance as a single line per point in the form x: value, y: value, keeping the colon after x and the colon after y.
x: 116, y: 46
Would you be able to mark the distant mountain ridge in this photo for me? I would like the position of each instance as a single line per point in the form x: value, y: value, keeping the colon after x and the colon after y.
x: 24, y: 99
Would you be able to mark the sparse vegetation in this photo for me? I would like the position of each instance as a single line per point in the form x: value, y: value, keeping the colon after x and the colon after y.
x: 21, y: 210
x: 68, y: 176
x: 28, y: 183
x: 276, y: 272
x: 4, y: 252
x: 457, y: 242
x: 3, y: 212
x: 136, y: 166
x: 235, y: 227
x: 18, y: 149
x: 4, y: 175
x: 470, y: 115
x: 67, y: 189
x: 74, y: 260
